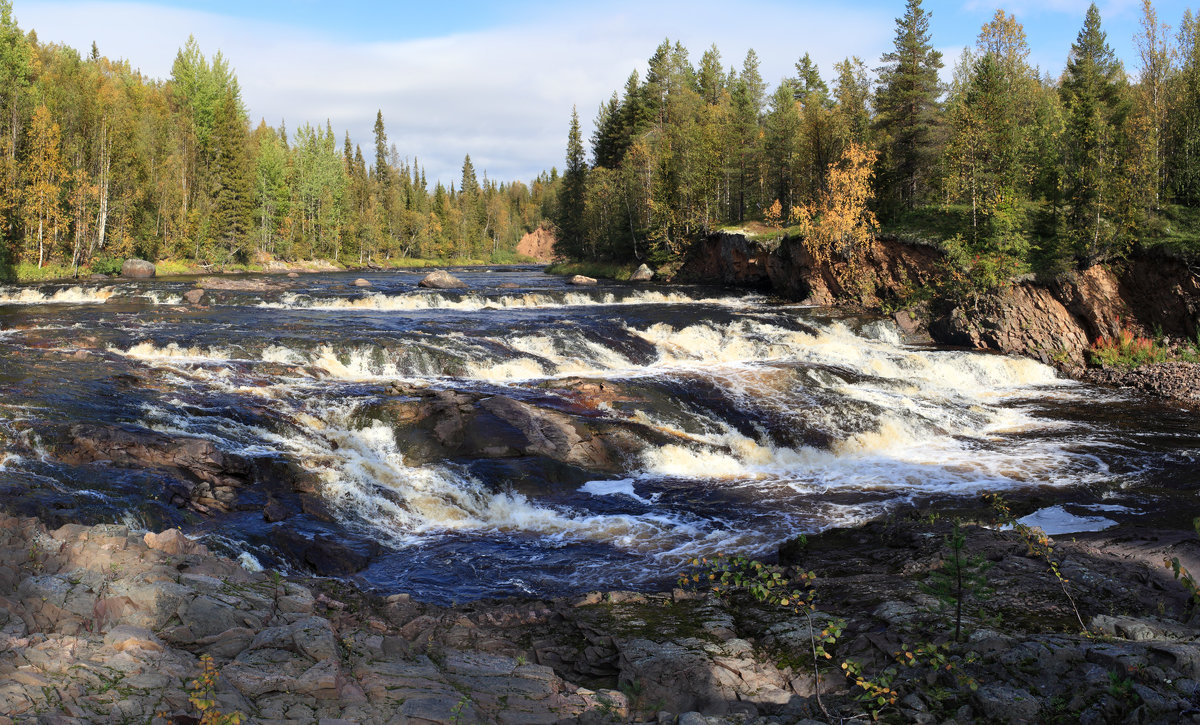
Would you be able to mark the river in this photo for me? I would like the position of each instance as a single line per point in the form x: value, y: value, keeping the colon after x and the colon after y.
x: 526, y: 437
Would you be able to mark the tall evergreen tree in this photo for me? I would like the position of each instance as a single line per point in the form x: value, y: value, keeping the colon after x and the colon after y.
x: 907, y: 106
x: 1094, y: 98
x: 233, y: 201
x: 569, y: 241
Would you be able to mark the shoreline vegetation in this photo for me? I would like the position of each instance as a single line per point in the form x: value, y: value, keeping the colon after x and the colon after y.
x: 101, y: 163
x: 26, y: 273
x: 1009, y: 171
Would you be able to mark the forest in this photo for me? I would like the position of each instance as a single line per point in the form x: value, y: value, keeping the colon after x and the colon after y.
x: 99, y: 163
x: 1008, y: 168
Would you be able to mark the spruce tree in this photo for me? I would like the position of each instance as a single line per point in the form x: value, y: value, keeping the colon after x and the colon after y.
x: 233, y: 200
x: 382, y: 170
x: 571, y: 200
x: 907, y: 105
x: 1093, y: 94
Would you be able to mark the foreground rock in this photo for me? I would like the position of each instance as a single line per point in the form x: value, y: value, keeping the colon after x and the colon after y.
x: 580, y: 279
x: 642, y: 274
x: 442, y: 279
x: 103, y: 624
x: 137, y: 269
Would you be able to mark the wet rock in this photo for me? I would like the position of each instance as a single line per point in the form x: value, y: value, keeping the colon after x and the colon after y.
x: 581, y: 280
x: 137, y: 269
x: 236, y: 285
x: 508, y: 285
x: 442, y: 279
x: 642, y: 274
x: 211, y: 478
x: 324, y: 554
x: 275, y: 511
x: 293, y: 275
x: 98, y: 277
x: 1178, y: 380
x: 360, y: 282
x: 194, y: 296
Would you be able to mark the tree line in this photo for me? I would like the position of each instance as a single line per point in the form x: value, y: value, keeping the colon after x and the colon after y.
x: 1007, y: 163
x: 98, y: 162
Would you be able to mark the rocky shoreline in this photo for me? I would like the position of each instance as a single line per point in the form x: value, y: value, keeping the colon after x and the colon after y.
x: 104, y: 624
x: 1053, y: 320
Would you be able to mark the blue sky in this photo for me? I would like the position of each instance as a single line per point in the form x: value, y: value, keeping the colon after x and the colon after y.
x: 497, y: 80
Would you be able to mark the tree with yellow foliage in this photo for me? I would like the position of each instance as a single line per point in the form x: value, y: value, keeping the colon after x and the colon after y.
x: 840, y: 226
x: 44, y: 173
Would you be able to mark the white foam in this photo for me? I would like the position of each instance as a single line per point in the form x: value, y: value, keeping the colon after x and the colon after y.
x: 249, y: 562
x: 619, y: 487
x: 65, y: 296
x: 416, y: 301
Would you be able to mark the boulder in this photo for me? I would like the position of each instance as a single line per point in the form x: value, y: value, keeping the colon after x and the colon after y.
x: 137, y: 269
x: 98, y: 277
x: 174, y: 543
x: 643, y: 274
x: 360, y: 282
x: 579, y: 279
x: 442, y: 279
x: 194, y: 296
x: 293, y: 275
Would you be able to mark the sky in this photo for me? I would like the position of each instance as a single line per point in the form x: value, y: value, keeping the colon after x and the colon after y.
x: 497, y: 80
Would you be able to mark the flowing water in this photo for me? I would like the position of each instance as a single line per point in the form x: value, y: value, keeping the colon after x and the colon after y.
x: 743, y: 421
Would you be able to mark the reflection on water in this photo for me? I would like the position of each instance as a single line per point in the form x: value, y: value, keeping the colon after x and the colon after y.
x: 739, y: 422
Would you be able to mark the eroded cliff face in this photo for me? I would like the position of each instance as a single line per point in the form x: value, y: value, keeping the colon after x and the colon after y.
x: 787, y: 268
x: 1055, y: 320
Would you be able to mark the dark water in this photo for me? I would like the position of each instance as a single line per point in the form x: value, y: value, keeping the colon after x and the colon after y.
x: 746, y: 422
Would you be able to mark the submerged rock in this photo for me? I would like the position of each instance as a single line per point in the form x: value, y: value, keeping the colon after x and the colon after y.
x: 137, y: 269
x: 579, y: 279
x: 643, y: 274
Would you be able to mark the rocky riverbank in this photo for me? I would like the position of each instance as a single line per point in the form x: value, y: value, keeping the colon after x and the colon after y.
x: 104, y: 624
x: 1054, y: 320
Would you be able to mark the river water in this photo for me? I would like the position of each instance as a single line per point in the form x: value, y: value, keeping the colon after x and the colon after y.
x: 742, y: 422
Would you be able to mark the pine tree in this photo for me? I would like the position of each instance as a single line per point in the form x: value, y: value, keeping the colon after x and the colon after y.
x: 808, y: 83
x: 907, y: 107
x: 572, y: 200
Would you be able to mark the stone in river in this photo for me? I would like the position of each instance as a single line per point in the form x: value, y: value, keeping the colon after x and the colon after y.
x: 137, y: 269
x: 442, y: 279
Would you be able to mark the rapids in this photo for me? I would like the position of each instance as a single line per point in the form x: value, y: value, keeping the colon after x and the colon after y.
x: 739, y: 422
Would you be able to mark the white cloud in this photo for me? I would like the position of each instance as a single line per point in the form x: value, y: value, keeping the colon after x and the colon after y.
x: 502, y: 94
